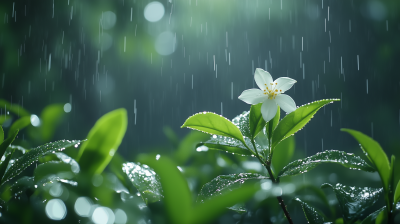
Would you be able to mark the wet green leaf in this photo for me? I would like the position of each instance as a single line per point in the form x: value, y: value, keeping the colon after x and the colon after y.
x: 312, y: 215
x: 52, y: 168
x: 4, y: 165
x: 376, y: 155
x: 51, y: 117
x: 14, y: 108
x: 257, y: 122
x: 225, y: 144
x: 187, y: 146
x: 19, y: 124
x: 354, y: 200
x: 345, y: 159
x: 271, y: 125
x: 283, y: 154
x: 214, y: 206
x: 177, y: 196
x: 1, y: 134
x: 382, y: 217
x: 7, y: 142
x: 370, y: 219
x: 397, y: 193
x: 213, y: 124
x: 224, y: 183
x: 296, y: 120
x: 308, y: 189
x: 145, y: 180
x: 103, y: 141
x: 33, y: 155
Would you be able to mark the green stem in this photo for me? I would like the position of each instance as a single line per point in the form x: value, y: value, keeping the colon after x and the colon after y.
x: 267, y: 165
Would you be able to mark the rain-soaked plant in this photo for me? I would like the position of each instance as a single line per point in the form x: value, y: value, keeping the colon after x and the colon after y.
x: 260, y: 132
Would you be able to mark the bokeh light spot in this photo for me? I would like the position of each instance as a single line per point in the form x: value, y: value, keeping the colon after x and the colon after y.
x: 82, y: 206
x: 120, y: 216
x: 103, y: 215
x: 55, y: 209
x: 154, y: 11
x: 109, y: 19
x: 35, y: 121
x: 165, y: 43
x: 67, y: 107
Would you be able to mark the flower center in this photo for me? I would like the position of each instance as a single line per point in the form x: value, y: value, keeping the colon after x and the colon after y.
x: 271, y: 90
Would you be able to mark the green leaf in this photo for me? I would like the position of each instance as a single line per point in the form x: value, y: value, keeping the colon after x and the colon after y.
x: 382, y: 217
x: 188, y: 144
x: 7, y: 142
x: 4, y: 119
x: 52, y: 168
x: 213, y: 124
x: 171, y: 135
x: 312, y: 215
x: 397, y: 193
x: 271, y: 125
x: 19, y: 124
x: 257, y: 122
x: 307, y: 191
x: 103, y: 141
x: 14, y: 108
x: 4, y: 165
x: 296, y: 120
x: 1, y: 135
x: 231, y: 145
x: 376, y: 155
x: 211, y: 208
x: 283, y: 154
x: 177, y: 196
x: 354, y: 200
x: 50, y: 118
x: 228, y: 145
x: 370, y: 219
x: 33, y: 155
x: 345, y: 159
x: 224, y: 183
x: 145, y: 180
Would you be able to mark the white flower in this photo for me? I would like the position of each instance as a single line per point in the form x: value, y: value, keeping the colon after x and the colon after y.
x: 270, y: 94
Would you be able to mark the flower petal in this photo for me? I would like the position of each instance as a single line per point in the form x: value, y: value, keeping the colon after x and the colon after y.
x: 284, y: 84
x: 252, y: 96
x: 285, y: 102
x: 268, y: 109
x: 262, y: 77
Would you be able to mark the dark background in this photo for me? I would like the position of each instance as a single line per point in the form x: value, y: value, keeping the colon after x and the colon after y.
x: 287, y: 38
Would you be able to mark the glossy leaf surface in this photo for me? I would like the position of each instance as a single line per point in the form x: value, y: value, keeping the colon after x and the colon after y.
x: 257, y: 122
x: 312, y: 215
x: 370, y: 219
x: 225, y: 144
x: 33, y: 155
x: 296, y: 120
x: 103, y: 141
x: 213, y: 124
x: 283, y: 154
x: 19, y: 125
x: 375, y: 154
x: 187, y: 146
x: 177, y: 196
x: 4, y: 145
x: 1, y: 134
x: 348, y: 160
x: 271, y: 125
x: 354, y: 200
x: 145, y: 180
x: 4, y: 165
x: 50, y: 117
x: 397, y: 193
x: 223, y: 183
x: 52, y: 168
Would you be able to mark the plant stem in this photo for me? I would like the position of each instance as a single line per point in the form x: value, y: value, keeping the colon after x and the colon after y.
x: 267, y: 165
